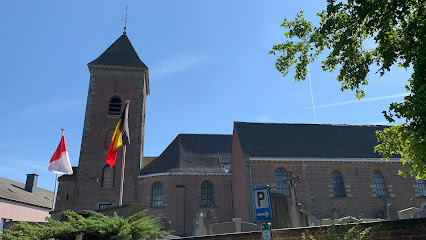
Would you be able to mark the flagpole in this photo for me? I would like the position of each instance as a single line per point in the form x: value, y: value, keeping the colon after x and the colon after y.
x: 122, y: 176
x: 54, y: 194
x: 123, y: 164
x: 56, y: 181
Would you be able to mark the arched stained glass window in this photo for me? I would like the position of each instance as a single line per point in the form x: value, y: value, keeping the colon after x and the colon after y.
x: 207, y: 194
x: 114, y: 106
x: 338, y: 184
x: 421, y: 185
x: 108, y: 177
x: 282, y: 187
x: 157, y: 195
x: 380, y: 184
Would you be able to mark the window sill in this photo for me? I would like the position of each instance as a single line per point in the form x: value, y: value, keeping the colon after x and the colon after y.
x: 207, y: 206
x: 157, y: 207
x: 348, y: 195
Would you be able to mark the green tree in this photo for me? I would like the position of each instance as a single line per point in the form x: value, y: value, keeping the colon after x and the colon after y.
x: 94, y: 226
x: 398, y: 28
x: 339, y: 232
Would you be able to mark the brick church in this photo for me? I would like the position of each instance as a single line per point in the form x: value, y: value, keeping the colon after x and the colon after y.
x: 340, y: 172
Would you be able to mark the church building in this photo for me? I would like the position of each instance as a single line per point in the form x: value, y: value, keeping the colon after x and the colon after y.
x: 340, y: 174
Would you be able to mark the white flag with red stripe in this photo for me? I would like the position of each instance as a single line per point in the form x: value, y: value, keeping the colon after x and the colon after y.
x: 60, y: 162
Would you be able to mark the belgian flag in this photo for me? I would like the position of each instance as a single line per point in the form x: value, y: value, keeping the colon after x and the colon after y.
x: 120, y: 137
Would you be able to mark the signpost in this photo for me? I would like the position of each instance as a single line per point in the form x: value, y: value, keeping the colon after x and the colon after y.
x: 262, y: 204
x: 266, y: 232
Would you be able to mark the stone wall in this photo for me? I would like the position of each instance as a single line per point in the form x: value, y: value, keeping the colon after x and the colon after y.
x: 408, y: 229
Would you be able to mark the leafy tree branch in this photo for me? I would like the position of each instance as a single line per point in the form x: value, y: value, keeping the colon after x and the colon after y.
x: 398, y: 29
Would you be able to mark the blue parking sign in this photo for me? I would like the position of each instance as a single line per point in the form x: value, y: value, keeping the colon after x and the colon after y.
x: 262, y: 207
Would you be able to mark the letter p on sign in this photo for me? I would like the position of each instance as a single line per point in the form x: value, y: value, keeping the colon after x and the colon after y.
x: 261, y: 200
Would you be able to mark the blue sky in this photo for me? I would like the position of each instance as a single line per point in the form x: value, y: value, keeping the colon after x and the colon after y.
x: 209, y: 66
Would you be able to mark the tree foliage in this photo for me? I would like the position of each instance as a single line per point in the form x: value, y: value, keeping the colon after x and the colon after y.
x: 340, y: 232
x: 94, y: 226
x: 398, y: 29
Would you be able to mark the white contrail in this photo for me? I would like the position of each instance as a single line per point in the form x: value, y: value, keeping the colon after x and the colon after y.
x: 358, y: 101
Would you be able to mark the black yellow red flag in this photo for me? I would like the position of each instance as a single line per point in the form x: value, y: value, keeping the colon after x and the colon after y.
x: 120, y: 136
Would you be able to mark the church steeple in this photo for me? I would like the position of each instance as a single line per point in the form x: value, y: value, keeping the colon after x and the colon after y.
x: 116, y: 75
x: 120, y: 54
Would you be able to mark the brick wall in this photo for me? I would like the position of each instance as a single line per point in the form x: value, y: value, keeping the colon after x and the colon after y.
x: 239, y: 180
x: 183, y: 199
x: 65, y: 195
x: 315, y: 194
x: 128, y: 84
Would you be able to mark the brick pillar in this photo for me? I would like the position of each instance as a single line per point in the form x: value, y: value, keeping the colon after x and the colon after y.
x: 180, y: 210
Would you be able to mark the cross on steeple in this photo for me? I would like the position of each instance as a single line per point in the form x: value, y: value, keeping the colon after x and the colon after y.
x: 125, y: 21
x: 292, y: 179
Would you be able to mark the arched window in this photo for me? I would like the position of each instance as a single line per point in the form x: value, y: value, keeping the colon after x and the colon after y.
x: 114, y: 106
x: 157, y: 195
x: 207, y: 194
x: 282, y: 187
x: 380, y: 184
x: 421, y: 185
x: 108, y: 177
x: 338, y: 185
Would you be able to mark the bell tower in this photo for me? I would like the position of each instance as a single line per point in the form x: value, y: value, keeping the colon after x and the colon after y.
x: 116, y: 75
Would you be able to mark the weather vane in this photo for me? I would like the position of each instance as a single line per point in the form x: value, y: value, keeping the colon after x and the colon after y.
x: 125, y: 21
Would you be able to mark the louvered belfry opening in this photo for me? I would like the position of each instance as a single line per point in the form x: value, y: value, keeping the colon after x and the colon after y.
x: 114, y: 106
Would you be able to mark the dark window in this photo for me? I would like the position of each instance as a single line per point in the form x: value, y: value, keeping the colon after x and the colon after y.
x: 207, y: 194
x: 338, y: 185
x: 421, y: 185
x: 284, y: 188
x: 114, y: 106
x: 157, y: 195
x: 108, y: 177
x: 380, y: 184
x: 68, y: 196
x: 105, y: 205
x: 3, y: 220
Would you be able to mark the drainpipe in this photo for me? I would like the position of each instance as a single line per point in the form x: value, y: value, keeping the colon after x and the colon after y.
x: 251, y: 187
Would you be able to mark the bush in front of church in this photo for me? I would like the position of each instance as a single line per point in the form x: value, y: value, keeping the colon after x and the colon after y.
x: 93, y: 225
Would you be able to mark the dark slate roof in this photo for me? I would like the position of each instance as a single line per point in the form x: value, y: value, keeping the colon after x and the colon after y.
x: 15, y: 191
x: 307, y: 140
x: 206, y: 153
x: 121, y: 54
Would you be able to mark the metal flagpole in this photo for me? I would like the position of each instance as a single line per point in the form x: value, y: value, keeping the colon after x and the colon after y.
x: 122, y: 176
x: 123, y: 164
x: 54, y: 194
x: 56, y: 181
